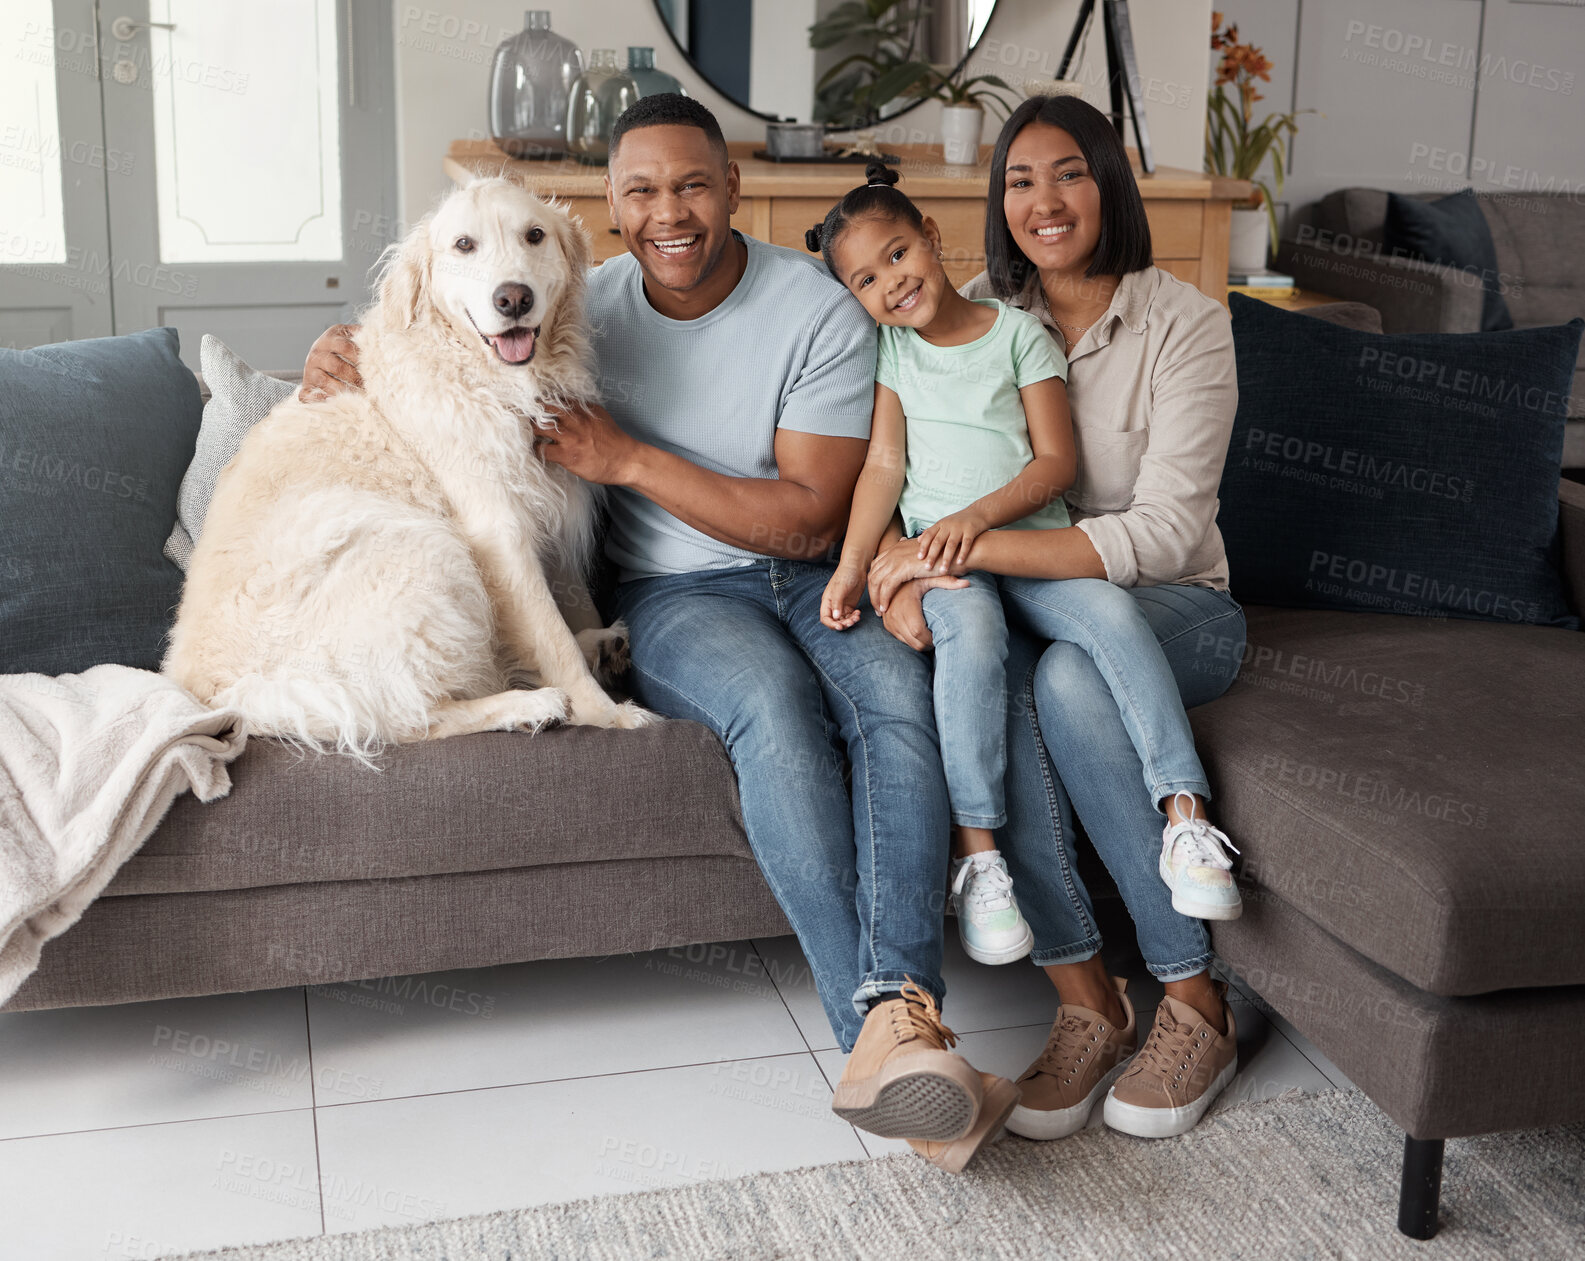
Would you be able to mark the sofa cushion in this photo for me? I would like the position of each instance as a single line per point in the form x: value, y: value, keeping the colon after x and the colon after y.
x: 1452, y: 231
x: 1413, y: 786
x: 1359, y: 316
x: 470, y: 803
x: 94, y: 438
x: 1407, y: 474
x: 239, y: 397
x: 1540, y: 239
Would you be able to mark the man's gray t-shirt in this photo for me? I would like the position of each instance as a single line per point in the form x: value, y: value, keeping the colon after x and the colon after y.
x: 788, y: 348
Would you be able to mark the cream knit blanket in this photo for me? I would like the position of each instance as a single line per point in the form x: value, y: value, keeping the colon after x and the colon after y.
x: 89, y: 764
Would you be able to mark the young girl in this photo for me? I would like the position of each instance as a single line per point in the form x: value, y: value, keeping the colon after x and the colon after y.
x: 971, y: 433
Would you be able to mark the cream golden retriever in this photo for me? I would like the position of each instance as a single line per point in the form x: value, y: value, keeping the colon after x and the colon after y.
x: 384, y: 566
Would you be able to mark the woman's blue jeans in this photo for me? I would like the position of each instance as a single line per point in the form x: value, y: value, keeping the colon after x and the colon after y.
x: 1073, y: 745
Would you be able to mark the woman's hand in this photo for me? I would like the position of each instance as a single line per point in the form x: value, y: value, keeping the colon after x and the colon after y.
x: 896, y: 565
x: 839, y: 606
x: 947, y: 542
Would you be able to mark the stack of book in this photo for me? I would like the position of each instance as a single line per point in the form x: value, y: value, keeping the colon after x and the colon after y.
x: 1261, y: 284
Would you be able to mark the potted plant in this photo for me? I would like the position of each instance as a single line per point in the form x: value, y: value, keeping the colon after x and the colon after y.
x: 963, y: 101
x: 1237, y: 146
x: 852, y: 92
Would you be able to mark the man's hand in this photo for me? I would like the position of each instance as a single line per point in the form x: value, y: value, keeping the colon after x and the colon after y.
x: 905, y: 616
x: 839, y: 606
x: 332, y: 364
x: 588, y: 443
x: 898, y: 564
x: 949, y: 540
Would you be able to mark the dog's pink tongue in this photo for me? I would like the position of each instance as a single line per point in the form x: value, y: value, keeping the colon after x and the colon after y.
x: 516, y: 344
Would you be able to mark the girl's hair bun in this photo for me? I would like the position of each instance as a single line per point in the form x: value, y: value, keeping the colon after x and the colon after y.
x: 812, y: 239
x: 877, y: 172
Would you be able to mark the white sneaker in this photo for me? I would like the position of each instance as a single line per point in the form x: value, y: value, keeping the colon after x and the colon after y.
x: 1198, y: 871
x: 989, y: 921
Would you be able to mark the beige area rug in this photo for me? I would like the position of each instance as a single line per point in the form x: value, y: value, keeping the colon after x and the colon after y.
x: 1301, y: 1176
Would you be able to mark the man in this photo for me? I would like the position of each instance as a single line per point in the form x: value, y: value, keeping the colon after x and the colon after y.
x: 739, y: 385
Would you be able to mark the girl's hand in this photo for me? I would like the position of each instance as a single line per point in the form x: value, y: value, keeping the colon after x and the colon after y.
x: 839, y: 606
x: 898, y: 564
x: 946, y: 544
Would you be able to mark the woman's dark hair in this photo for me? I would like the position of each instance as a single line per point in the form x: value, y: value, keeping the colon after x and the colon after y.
x: 1124, y: 245
x: 874, y: 198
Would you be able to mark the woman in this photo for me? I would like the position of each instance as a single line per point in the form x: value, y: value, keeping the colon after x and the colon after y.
x: 1153, y: 391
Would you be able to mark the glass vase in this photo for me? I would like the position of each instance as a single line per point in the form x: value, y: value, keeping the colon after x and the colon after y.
x: 531, y: 84
x: 641, y: 69
x: 598, y: 98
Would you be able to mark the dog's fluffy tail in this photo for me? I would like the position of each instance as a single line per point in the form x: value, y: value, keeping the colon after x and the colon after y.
x: 323, y: 715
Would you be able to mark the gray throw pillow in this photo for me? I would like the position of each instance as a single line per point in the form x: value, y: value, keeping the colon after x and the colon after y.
x: 94, y: 436
x: 240, y: 397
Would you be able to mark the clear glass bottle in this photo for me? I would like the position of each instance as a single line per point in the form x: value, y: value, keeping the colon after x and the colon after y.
x: 599, y: 96
x: 641, y: 69
x: 531, y: 83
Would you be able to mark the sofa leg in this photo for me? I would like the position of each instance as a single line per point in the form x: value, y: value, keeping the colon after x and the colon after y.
x: 1422, y: 1186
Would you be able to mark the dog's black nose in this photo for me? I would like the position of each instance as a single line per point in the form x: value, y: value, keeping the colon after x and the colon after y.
x: 514, y: 301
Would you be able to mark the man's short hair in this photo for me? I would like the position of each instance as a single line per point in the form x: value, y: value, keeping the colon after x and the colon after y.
x: 669, y: 109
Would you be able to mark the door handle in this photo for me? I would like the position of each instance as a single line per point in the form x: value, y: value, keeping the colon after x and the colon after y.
x: 124, y: 28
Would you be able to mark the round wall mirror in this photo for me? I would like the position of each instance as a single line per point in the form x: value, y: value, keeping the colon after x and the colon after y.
x: 845, y: 63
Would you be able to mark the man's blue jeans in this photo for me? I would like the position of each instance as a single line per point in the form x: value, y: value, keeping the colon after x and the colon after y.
x: 860, y: 875
x: 1069, y: 748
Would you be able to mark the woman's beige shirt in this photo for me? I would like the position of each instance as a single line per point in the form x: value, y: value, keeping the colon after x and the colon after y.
x: 1152, y: 386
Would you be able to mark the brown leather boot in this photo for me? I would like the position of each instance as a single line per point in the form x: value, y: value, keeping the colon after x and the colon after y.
x: 901, y: 1081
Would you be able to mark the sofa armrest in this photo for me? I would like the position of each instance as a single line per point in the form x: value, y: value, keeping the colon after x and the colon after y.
x: 1412, y: 296
x: 1571, y: 529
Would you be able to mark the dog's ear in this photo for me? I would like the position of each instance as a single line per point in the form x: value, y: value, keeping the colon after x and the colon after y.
x: 575, y: 246
x: 404, y: 277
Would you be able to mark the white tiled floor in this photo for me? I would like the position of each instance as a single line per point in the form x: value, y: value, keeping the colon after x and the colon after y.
x: 156, y: 1128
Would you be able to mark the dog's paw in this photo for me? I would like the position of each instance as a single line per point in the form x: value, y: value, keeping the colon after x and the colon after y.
x: 534, y: 710
x: 630, y: 715
x: 605, y: 651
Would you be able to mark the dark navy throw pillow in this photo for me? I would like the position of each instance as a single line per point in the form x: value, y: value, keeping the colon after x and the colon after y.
x: 1453, y: 231
x: 94, y: 439
x: 1397, y: 474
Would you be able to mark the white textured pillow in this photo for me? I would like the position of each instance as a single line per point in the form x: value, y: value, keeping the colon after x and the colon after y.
x: 239, y: 397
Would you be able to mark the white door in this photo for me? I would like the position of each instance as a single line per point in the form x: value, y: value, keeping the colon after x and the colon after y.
x: 248, y: 180
x: 54, y: 237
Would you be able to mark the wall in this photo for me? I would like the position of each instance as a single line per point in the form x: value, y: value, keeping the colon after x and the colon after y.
x: 1425, y: 95
x: 443, y: 65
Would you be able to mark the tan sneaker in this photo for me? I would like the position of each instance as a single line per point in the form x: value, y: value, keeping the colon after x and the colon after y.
x: 1184, y: 1065
x: 1084, y: 1055
x: 999, y: 1097
x: 901, y: 1081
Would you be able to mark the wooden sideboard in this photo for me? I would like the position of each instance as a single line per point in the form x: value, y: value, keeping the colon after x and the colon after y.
x: 1189, y: 211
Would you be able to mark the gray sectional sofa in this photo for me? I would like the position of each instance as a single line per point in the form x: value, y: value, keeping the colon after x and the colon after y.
x: 1408, y: 793
x: 1335, y: 247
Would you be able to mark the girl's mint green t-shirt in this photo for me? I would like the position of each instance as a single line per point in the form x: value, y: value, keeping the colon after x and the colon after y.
x: 967, y: 435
